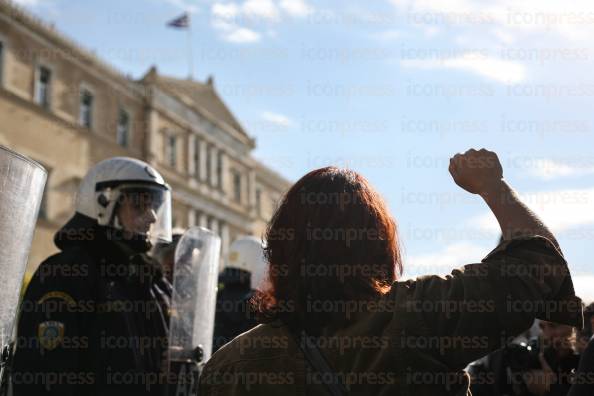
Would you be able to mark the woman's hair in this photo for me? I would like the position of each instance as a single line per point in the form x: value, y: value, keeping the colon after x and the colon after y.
x: 330, y: 244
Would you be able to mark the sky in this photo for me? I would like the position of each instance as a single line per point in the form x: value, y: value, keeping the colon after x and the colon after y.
x: 391, y: 89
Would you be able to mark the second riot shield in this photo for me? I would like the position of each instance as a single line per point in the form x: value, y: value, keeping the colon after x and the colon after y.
x: 194, y: 297
x: 21, y: 189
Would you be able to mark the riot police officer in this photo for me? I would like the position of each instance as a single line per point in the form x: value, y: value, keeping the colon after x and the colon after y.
x: 238, y: 282
x: 94, y: 318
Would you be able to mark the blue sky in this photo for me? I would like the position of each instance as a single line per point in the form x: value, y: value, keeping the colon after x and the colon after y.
x: 391, y: 89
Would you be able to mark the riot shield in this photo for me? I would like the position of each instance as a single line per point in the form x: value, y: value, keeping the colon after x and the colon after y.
x: 194, y: 299
x: 21, y: 189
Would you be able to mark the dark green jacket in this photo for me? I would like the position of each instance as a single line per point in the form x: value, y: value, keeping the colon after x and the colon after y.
x: 416, y: 340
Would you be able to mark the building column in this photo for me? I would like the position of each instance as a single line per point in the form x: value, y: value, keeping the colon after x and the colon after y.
x: 152, y: 134
x: 251, y: 187
x: 224, y: 239
x: 191, y: 217
x: 202, y: 166
x: 203, y: 220
x: 214, y: 225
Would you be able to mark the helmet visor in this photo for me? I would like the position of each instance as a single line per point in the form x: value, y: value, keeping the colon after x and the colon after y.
x: 146, y: 210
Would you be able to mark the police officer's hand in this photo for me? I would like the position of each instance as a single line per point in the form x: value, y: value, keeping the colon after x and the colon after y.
x: 476, y: 171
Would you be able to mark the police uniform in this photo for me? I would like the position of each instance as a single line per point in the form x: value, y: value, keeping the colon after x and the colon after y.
x: 94, y: 318
x: 233, y: 314
x: 244, y: 271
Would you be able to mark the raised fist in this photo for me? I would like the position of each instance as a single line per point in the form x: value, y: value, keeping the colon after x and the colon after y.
x: 476, y: 171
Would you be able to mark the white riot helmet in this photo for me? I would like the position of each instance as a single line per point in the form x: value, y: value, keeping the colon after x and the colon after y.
x: 247, y: 254
x: 127, y: 181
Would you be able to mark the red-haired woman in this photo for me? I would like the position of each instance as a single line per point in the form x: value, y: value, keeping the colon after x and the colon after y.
x: 337, y: 320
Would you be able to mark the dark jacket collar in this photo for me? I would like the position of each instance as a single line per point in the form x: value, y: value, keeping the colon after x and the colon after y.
x: 83, y: 230
x: 107, y: 245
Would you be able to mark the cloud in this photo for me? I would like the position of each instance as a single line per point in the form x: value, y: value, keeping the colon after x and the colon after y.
x: 241, y: 35
x: 232, y: 33
x: 571, y: 20
x: 261, y: 9
x: 225, y: 11
x: 244, y: 22
x: 503, y: 28
x: 548, y: 169
x: 504, y: 36
x: 296, y: 8
x: 445, y: 260
x: 225, y: 18
x: 388, y: 35
x: 560, y: 210
x: 276, y: 119
x: 494, y: 69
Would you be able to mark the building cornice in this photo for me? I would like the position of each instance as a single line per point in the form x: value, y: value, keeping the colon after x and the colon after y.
x: 47, y: 34
x: 193, y: 121
x: 204, y: 114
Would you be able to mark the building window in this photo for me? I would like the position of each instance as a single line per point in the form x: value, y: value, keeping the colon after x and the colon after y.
x: 220, y: 170
x: 236, y: 186
x: 123, y: 128
x: 209, y: 166
x: 1, y: 63
x: 86, y: 108
x: 259, y: 202
x: 43, y: 87
x: 171, y: 150
x: 196, y: 159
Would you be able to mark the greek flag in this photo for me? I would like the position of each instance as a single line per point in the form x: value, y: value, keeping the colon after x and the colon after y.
x: 180, y: 22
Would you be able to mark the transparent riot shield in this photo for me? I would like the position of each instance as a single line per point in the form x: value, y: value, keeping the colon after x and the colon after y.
x: 21, y: 189
x: 193, y: 304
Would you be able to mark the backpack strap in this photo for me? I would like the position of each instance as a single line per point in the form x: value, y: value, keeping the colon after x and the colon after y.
x: 333, y: 382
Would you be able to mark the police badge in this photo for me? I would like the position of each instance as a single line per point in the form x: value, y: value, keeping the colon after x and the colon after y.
x: 50, y: 334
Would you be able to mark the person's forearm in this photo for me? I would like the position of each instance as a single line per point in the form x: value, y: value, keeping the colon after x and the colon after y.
x: 515, y: 218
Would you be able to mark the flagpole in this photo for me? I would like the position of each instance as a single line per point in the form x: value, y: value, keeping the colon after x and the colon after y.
x: 190, y: 54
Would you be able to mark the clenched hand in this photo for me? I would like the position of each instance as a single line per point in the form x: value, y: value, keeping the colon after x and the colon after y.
x: 476, y: 171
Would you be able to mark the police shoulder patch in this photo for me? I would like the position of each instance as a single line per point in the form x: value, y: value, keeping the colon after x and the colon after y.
x: 50, y: 334
x: 57, y: 295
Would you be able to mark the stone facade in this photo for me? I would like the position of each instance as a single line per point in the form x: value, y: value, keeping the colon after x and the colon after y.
x: 65, y: 108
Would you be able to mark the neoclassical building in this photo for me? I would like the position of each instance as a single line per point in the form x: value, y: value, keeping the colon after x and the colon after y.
x: 67, y: 109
